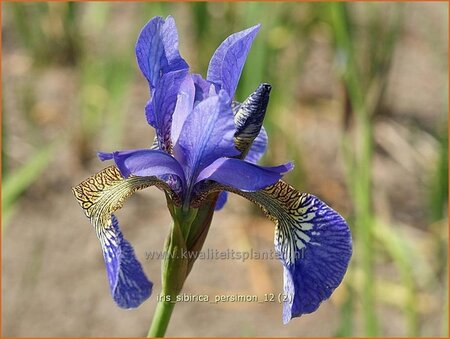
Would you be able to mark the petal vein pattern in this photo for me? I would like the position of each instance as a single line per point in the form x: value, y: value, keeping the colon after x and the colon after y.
x: 105, y: 192
x: 99, y: 196
x: 313, y: 241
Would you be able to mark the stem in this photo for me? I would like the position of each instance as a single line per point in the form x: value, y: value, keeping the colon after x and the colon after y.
x: 161, y: 319
x: 174, y: 269
x: 187, y: 234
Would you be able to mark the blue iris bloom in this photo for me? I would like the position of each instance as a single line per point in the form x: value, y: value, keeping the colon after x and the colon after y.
x: 206, y: 145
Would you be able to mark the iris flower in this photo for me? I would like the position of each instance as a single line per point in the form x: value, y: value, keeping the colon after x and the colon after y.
x: 207, y: 145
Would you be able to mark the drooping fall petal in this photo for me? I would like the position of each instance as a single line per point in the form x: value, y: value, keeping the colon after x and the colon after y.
x: 313, y: 241
x: 100, y: 196
x: 127, y: 281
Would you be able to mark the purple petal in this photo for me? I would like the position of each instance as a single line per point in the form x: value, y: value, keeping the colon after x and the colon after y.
x: 258, y: 147
x: 226, y: 64
x: 312, y: 241
x: 160, y: 109
x: 103, y: 156
x: 145, y: 163
x: 315, y: 247
x: 221, y: 201
x: 185, y: 104
x: 203, y: 89
x: 157, y: 50
x: 127, y: 281
x: 242, y: 175
x: 207, y: 135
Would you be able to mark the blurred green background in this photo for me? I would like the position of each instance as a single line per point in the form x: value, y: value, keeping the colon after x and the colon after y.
x: 359, y: 102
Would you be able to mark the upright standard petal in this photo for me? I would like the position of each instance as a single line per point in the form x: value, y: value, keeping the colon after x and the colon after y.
x: 157, y: 50
x: 99, y: 196
x: 127, y: 281
x: 207, y: 134
x: 185, y: 104
x: 242, y: 175
x: 313, y: 241
x: 226, y: 64
x: 160, y: 109
x: 203, y: 88
x: 145, y: 163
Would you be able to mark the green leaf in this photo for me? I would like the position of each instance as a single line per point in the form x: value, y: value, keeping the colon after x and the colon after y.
x: 21, y: 179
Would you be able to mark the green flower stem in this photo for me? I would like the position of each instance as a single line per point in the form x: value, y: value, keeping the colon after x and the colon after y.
x: 161, y: 319
x: 187, y: 235
x: 174, y: 268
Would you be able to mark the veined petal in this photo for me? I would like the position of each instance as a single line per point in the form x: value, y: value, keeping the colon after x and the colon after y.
x: 105, y: 192
x: 258, y: 147
x: 100, y: 196
x: 160, y: 109
x: 314, y: 243
x: 315, y: 250
x: 157, y: 50
x: 207, y: 134
x: 127, y: 281
x: 243, y: 175
x: 226, y: 64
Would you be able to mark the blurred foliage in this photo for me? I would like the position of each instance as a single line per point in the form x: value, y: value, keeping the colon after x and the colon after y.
x: 16, y: 183
x: 79, y: 36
